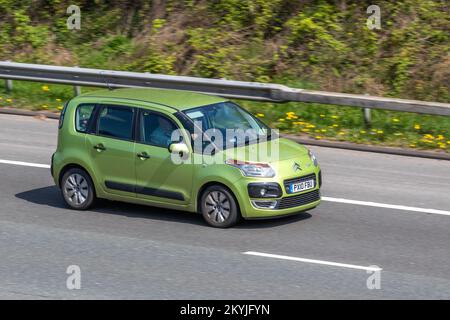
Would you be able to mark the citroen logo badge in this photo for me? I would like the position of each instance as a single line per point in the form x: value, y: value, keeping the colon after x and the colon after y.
x: 296, y: 167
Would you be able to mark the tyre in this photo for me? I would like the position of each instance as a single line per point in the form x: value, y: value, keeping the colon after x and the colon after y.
x: 219, y: 207
x: 77, y: 189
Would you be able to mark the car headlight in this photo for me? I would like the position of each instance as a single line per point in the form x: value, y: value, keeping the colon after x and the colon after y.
x: 253, y: 169
x: 313, y: 158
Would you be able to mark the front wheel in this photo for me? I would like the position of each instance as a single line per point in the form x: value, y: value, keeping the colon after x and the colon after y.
x: 219, y: 207
x: 77, y: 189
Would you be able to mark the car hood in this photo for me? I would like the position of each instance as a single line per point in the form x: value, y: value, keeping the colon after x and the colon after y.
x: 269, y: 151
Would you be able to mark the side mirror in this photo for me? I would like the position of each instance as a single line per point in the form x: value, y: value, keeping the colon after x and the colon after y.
x: 179, y: 148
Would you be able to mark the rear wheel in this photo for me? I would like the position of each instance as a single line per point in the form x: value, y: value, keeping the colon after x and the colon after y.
x: 77, y: 189
x: 219, y: 207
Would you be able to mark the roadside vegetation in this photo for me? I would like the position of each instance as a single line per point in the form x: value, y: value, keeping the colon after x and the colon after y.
x: 323, y: 45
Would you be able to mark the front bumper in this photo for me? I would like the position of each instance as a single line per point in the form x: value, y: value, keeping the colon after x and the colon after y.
x: 284, y: 204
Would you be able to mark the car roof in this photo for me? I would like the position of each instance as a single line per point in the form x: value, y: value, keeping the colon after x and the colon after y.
x: 177, y: 99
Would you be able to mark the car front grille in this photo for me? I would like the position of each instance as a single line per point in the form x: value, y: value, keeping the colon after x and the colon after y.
x: 298, y: 200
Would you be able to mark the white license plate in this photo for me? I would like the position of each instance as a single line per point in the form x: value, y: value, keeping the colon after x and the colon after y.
x: 302, y: 186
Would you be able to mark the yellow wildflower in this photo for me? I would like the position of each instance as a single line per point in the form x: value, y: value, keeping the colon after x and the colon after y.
x: 8, y: 100
x: 45, y: 88
x: 417, y: 126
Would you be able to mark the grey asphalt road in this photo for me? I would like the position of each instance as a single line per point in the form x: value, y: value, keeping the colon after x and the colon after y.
x: 128, y: 251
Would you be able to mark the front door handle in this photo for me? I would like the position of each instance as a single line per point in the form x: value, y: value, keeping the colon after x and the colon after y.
x: 143, y: 155
x: 99, y: 147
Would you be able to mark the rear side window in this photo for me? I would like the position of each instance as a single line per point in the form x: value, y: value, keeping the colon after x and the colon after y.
x: 83, y: 117
x: 116, y: 122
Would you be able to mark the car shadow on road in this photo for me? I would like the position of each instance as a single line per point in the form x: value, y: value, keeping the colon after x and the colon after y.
x: 51, y: 196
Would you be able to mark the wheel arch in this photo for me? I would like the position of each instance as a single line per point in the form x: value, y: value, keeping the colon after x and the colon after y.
x: 69, y: 166
x: 214, y: 183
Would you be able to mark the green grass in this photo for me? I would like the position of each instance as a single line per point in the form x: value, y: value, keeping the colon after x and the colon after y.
x: 317, y: 121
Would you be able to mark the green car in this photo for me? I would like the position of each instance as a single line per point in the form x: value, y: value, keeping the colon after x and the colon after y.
x: 180, y: 150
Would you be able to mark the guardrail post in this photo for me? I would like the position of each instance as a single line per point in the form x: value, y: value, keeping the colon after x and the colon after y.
x: 8, y: 85
x: 367, y: 116
x: 76, y: 89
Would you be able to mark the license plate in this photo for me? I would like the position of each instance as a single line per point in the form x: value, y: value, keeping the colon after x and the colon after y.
x: 301, y: 186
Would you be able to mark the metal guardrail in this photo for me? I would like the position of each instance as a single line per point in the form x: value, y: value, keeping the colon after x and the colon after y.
x: 227, y: 88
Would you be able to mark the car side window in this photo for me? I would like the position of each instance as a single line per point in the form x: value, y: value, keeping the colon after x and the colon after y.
x: 156, y: 129
x: 83, y: 116
x: 116, y: 122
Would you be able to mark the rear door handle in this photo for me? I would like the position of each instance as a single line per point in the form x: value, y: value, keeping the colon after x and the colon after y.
x: 99, y: 147
x: 143, y: 155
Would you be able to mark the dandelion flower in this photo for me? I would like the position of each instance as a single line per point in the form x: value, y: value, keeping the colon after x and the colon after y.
x: 395, y: 120
x: 45, y: 88
x: 8, y: 100
x: 260, y: 115
x: 417, y: 126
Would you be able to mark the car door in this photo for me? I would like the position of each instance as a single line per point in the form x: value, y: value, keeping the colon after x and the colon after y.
x: 111, y: 149
x: 157, y: 177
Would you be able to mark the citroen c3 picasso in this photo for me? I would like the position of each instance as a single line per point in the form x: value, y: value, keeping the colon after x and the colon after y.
x: 171, y: 149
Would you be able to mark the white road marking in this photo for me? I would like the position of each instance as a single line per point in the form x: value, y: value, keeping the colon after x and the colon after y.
x: 339, y: 200
x: 328, y: 263
x: 26, y: 164
x: 389, y: 206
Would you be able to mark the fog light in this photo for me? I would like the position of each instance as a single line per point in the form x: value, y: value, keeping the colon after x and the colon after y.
x: 264, y: 190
